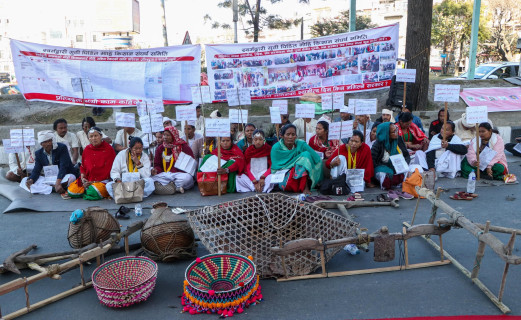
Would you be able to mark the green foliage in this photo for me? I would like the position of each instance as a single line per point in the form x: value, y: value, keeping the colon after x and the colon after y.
x: 340, y: 24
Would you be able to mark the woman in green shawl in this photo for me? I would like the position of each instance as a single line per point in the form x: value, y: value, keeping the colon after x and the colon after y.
x: 388, y: 143
x: 303, y: 165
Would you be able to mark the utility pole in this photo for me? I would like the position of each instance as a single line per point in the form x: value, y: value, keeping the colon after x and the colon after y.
x: 302, y: 29
x: 163, y: 20
x: 474, y: 39
x: 235, y: 8
x: 352, y: 16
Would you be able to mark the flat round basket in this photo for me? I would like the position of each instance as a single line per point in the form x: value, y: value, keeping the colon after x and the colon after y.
x: 96, y: 225
x: 164, y: 189
x: 222, y: 283
x: 122, y: 282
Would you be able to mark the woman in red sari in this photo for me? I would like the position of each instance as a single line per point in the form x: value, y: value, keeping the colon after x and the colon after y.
x: 257, y: 173
x: 353, y: 155
x: 320, y: 142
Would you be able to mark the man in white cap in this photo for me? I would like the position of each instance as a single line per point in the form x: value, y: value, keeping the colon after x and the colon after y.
x: 465, y: 131
x: 167, y: 122
x: 120, y: 143
x: 56, y: 157
x: 190, y: 135
x: 387, y: 116
x: 345, y: 114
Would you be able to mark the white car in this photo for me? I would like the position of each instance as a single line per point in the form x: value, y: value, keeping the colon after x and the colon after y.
x: 497, y: 70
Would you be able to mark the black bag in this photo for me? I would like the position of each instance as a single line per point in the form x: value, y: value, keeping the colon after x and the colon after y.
x: 336, y: 187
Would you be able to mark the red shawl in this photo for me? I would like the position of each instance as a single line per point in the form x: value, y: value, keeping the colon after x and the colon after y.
x: 97, y: 161
x: 252, y: 152
x: 177, y: 143
x: 363, y: 159
x: 316, y: 144
x: 234, y: 153
x: 418, y: 135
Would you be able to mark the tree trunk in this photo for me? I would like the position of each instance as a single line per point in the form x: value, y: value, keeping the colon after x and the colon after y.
x: 418, y: 48
x: 256, y: 22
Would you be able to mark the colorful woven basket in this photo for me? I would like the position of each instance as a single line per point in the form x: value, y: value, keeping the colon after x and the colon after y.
x: 125, y: 281
x: 222, y: 283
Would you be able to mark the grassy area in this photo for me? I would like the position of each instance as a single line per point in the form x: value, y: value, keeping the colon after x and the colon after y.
x: 73, y: 114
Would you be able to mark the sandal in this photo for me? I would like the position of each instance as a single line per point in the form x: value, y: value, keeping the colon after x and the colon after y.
x: 358, y: 197
x: 350, y: 198
x: 122, y: 213
x: 459, y: 196
x: 466, y: 194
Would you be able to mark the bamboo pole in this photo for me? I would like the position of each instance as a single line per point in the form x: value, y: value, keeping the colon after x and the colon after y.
x: 477, y: 151
x: 499, y: 229
x: 509, y: 248
x: 434, y: 207
x: 445, y: 120
x: 479, y: 254
x: 405, y: 248
x: 219, y: 165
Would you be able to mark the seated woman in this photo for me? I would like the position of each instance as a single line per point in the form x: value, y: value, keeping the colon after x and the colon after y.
x: 388, y: 143
x: 95, y: 168
x: 164, y: 171
x: 372, y: 135
x: 247, y: 141
x: 234, y: 162
x: 320, y: 141
x: 303, y: 165
x: 413, y: 137
x: 444, y: 155
x: 256, y: 176
x: 437, y: 124
x: 353, y: 155
x: 490, y: 138
x: 132, y: 160
x: 202, y: 147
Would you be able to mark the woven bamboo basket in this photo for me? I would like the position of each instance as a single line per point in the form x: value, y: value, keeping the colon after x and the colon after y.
x: 255, y: 224
x: 167, y: 237
x: 164, y: 189
x: 96, y: 225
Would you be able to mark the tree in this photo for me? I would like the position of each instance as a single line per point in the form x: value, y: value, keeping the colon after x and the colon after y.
x: 254, y: 17
x: 340, y: 24
x: 505, y: 15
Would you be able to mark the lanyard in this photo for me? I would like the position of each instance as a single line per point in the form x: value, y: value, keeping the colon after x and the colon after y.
x: 131, y: 163
x: 351, y: 162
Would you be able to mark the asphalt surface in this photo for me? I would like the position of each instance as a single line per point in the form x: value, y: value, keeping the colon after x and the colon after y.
x: 435, y: 291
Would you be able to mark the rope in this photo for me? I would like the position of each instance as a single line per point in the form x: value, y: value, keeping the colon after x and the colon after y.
x: 268, y: 214
x: 416, y: 56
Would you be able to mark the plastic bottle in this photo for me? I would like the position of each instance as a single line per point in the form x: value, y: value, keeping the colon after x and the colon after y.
x: 352, y: 249
x: 471, y: 182
x: 138, y: 210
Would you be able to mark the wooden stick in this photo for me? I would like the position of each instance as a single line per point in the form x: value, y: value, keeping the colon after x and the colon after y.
x: 305, y: 131
x: 415, y: 210
x: 445, y: 120
x: 405, y: 249
x: 277, y: 132
x: 365, y: 129
x: 18, y: 163
x: 499, y: 229
x: 477, y: 151
x: 9, y: 263
x: 404, y: 95
x: 219, y: 165
x: 127, y: 250
x: 322, y: 259
x: 434, y: 207
x: 509, y: 248
x: 479, y: 254
x: 441, y: 248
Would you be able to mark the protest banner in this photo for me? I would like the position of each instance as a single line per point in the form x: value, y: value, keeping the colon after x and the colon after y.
x: 365, y: 106
x: 406, y: 75
x: 125, y: 120
x: 496, y: 99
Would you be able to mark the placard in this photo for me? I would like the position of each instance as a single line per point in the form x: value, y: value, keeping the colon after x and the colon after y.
x: 155, y: 105
x: 144, y: 122
x: 244, y: 96
x: 365, y: 106
x: 282, y: 104
x: 334, y: 131
x: 338, y: 100
x: 186, y: 163
x: 279, y: 176
x: 8, y: 148
x: 217, y: 127
x: 22, y: 137
x: 238, y: 116
x: 275, y: 115
x: 186, y: 112
x: 127, y: 120
x: 81, y: 84
x: 446, y: 92
x: 232, y: 97
x: 157, y: 122
x: 130, y: 176
x: 485, y: 157
x: 355, y: 179
x: 351, y: 103
x: 399, y: 163
x: 327, y: 101
x: 50, y: 173
x: 211, y: 164
x: 305, y: 110
x: 476, y: 114
x: 347, y: 129
x: 406, y: 75
x: 198, y: 91
x: 258, y: 166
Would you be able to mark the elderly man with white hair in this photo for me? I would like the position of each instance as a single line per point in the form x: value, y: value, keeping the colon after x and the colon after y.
x: 465, y: 131
x: 53, y: 158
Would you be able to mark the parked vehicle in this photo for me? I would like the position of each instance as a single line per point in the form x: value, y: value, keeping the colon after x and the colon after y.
x: 5, y: 77
x: 496, y: 70
x: 10, y: 89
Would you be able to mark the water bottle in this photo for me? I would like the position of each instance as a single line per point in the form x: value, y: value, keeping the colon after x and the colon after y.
x: 352, y: 249
x: 138, y: 210
x: 471, y: 182
x: 302, y: 197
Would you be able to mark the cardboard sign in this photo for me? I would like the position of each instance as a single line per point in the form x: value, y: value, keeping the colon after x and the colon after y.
x: 278, y: 177
x: 201, y: 91
x: 406, y: 75
x: 22, y: 137
x: 399, y: 163
x: 81, y: 84
x: 305, y: 110
x: 238, y: 97
x: 238, y: 116
x: 217, y: 127
x: 338, y: 100
x: 334, y: 131
x: 327, y: 101
x: 245, y: 96
x: 186, y: 112
x: 365, y: 106
x: 355, y: 179
x: 446, y: 92
x: 155, y: 105
x: 275, y: 115
x: 476, y: 114
x: 8, y: 148
x: 125, y: 120
x: 145, y: 123
x: 152, y: 123
x: 281, y: 104
x: 346, y: 129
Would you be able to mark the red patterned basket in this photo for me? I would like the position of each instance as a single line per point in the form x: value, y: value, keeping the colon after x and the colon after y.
x: 122, y: 282
x: 224, y: 283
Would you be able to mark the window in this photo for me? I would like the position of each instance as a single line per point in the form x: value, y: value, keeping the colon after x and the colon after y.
x: 79, y: 38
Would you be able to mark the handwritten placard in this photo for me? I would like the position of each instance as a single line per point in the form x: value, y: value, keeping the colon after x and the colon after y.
x: 22, y: 137
x: 338, y: 100
x: 8, y: 148
x: 81, y: 84
x: 217, y: 127
x: 365, y: 106
x: 125, y: 120
x: 232, y: 96
x: 351, y: 103
x: 201, y: 91
x: 334, y: 131
x: 446, y: 92
x: 186, y: 112
x: 327, y: 101
x: 346, y: 109
x: 346, y: 129
x: 157, y: 122
x: 146, y: 125
x: 406, y: 75
x: 282, y: 105
x: 304, y: 110
x: 244, y: 96
x: 238, y: 116
x: 155, y: 105
x: 476, y: 114
x: 275, y: 115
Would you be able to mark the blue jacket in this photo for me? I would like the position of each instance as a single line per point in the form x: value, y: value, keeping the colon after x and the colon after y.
x: 60, y: 157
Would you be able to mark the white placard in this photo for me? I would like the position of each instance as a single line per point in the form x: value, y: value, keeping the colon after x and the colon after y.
x: 238, y: 116
x: 155, y: 106
x: 517, y: 147
x: 476, y: 114
x: 157, y: 122
x: 406, y: 75
x: 11, y: 149
x: 232, y: 97
x: 130, y: 176
x: 210, y: 165
x: 258, y: 166
x: 355, y: 179
x: 278, y: 177
x: 399, y: 163
x: 22, y: 137
x: 334, y: 131
x: 51, y: 174
x: 141, y: 109
x: 351, y: 103
x: 446, y: 92
x: 275, y: 115
x: 347, y: 129
x: 281, y: 104
x: 186, y: 163
x: 127, y: 120
x: 346, y: 109
x: 81, y: 84
x: 217, y: 127
x: 305, y: 110
x: 144, y: 122
x: 365, y: 106
x: 198, y: 91
x: 327, y: 101
x: 338, y: 100
x: 186, y: 112
x: 245, y: 96
x: 485, y: 157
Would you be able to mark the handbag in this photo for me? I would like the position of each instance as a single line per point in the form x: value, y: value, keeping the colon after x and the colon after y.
x: 337, y: 186
x: 128, y: 192
x: 207, y: 182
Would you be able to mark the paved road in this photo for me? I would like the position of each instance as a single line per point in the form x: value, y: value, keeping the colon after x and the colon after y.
x: 422, y: 292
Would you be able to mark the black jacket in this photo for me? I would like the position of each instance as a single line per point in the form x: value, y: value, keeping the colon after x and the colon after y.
x: 456, y: 148
x: 60, y: 157
x: 377, y: 152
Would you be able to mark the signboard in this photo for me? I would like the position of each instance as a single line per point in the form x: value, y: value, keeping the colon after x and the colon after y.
x: 125, y: 120
x: 22, y: 137
x: 304, y: 110
x: 476, y: 114
x: 338, y: 100
x: 186, y: 39
x: 406, y: 75
x: 365, y: 106
x: 201, y: 91
x: 238, y: 116
x: 282, y: 104
x: 186, y: 112
x: 217, y: 127
x: 275, y: 115
x: 446, y: 92
x: 327, y: 101
x: 8, y: 148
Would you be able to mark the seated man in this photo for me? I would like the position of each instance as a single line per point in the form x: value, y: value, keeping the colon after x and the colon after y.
x: 27, y: 160
x: 190, y: 134
x: 465, y: 131
x: 345, y: 115
x: 67, y: 138
x: 167, y: 122
x: 311, y: 126
x: 413, y: 137
x: 123, y: 137
x: 510, y: 147
x: 51, y: 153
x: 387, y: 116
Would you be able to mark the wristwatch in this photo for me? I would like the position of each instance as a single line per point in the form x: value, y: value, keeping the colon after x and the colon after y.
x: 227, y: 170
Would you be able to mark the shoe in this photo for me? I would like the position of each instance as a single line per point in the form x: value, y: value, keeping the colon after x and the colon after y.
x: 392, y: 195
x: 404, y: 195
x: 122, y: 213
x: 180, y: 189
